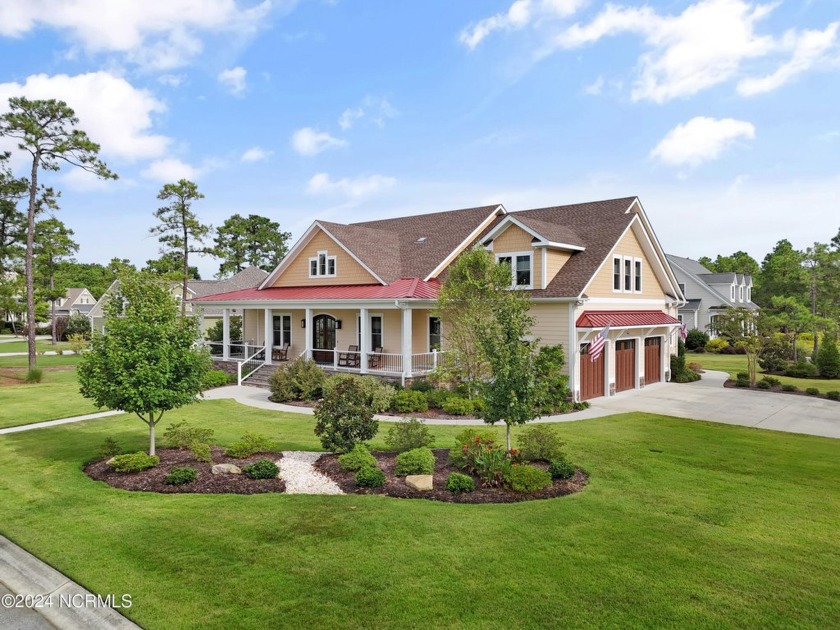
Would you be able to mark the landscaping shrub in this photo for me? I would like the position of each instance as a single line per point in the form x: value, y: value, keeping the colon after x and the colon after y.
x: 201, y: 451
x: 301, y: 379
x: 215, y: 378
x: 109, y: 448
x: 370, y: 477
x: 381, y: 394
x: 812, y: 391
x: 695, y: 339
x: 487, y: 460
x: 456, y: 454
x: 802, y: 370
x: 357, y: 459
x: 772, y: 381
x: 828, y: 358
x: 417, y: 461
x: 762, y: 384
x: 540, y: 442
x: 78, y: 343
x: 700, y: 350
x: 561, y: 469
x: 345, y: 415
x: 134, y: 462
x: 527, y: 478
x: 422, y: 385
x: 183, y: 435
x: 742, y: 379
x: 550, y: 385
x: 409, y: 401
x: 77, y: 325
x: 717, y: 345
x: 249, y: 444
x: 407, y: 435
x: 787, y: 387
x: 35, y: 375
x: 580, y: 406
x: 458, y: 406
x: 695, y: 367
x: 180, y: 476
x: 437, y: 397
x: 459, y: 482
x: 680, y: 373
x: 775, y: 353
x: 262, y: 469
x: 833, y: 395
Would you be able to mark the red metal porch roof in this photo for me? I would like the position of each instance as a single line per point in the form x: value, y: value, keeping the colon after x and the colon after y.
x: 405, y: 288
x: 621, y: 319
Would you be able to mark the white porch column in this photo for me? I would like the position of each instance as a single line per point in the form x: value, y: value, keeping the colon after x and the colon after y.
x: 267, y: 335
x: 308, y: 333
x: 226, y: 334
x: 406, y: 341
x: 364, y: 341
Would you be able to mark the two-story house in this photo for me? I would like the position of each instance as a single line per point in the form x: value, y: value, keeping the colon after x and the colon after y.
x: 361, y: 296
x: 709, y: 294
x: 77, y: 301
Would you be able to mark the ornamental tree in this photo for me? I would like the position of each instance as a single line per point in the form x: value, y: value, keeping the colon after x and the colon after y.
x: 47, y: 131
x: 149, y: 361
x: 53, y: 244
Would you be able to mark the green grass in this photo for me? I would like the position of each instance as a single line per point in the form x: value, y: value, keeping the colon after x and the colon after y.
x: 734, y: 363
x: 56, y: 396
x: 40, y: 346
x: 684, y: 524
x: 42, y: 361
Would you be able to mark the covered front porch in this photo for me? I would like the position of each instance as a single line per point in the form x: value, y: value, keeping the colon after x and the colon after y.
x: 394, y: 340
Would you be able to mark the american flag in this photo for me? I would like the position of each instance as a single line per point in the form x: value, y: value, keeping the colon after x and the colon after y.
x: 597, y: 345
x: 683, y: 331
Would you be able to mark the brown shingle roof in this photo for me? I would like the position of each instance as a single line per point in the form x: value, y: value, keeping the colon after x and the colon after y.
x: 379, y: 250
x: 553, y: 232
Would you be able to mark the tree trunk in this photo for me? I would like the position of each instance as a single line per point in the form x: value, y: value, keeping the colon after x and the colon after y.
x: 151, y: 424
x: 186, y: 271
x: 795, y: 353
x: 30, y: 247
x: 508, y: 435
x: 52, y: 316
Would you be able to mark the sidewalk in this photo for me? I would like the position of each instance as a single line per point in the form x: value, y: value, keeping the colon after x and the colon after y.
x: 59, y: 602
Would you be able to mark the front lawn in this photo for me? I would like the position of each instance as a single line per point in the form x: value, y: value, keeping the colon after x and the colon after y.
x: 683, y: 524
x: 734, y: 363
x: 56, y: 396
x: 40, y: 346
x: 42, y: 361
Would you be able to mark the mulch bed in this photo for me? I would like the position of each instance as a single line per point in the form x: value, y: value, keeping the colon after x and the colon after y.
x: 777, y: 389
x: 206, y: 482
x: 396, y: 486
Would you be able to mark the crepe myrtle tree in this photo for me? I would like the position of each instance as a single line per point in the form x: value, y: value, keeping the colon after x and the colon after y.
x: 150, y: 360
x: 46, y: 129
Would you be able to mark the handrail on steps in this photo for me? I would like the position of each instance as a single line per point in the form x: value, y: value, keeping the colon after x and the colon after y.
x: 257, y: 360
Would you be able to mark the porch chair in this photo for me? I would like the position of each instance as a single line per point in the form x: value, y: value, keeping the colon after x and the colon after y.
x: 281, y: 353
x: 375, y: 358
x: 349, y: 358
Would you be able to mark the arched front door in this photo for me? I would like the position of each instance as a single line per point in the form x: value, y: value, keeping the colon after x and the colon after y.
x: 323, y: 338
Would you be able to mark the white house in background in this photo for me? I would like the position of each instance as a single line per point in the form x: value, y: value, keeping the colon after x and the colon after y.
x: 709, y: 294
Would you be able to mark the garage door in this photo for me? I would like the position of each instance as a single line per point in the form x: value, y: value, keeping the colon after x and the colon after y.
x: 653, y: 360
x: 591, y: 374
x: 625, y: 365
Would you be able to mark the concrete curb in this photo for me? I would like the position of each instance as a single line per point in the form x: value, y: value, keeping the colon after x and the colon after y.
x: 24, y: 574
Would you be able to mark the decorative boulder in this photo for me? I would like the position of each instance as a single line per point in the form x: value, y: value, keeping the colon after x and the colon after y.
x: 226, y: 469
x: 420, y: 482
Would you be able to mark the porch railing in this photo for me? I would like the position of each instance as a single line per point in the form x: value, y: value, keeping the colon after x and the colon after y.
x: 237, y: 350
x: 245, y: 368
x: 385, y: 363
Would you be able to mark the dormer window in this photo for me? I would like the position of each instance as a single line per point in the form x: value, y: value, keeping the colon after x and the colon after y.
x: 732, y: 293
x: 749, y: 294
x: 741, y: 293
x: 521, y: 269
x: 322, y: 266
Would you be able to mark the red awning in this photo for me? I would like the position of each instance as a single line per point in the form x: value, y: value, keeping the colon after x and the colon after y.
x: 406, y: 288
x: 625, y: 319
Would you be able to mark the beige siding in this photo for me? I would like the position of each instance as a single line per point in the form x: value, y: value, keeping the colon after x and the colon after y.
x: 552, y: 326
x: 602, y: 284
x: 252, y: 325
x: 348, y: 271
x: 555, y: 262
x: 515, y: 239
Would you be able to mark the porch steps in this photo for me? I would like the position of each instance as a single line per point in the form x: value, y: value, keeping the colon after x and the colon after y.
x: 261, y: 376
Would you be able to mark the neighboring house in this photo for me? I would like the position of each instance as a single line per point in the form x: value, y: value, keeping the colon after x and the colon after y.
x: 709, y: 294
x: 374, y: 285
x: 76, y: 301
x: 249, y: 277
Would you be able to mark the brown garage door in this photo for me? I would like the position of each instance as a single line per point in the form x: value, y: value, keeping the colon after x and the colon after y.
x: 625, y: 365
x: 653, y: 359
x: 591, y: 374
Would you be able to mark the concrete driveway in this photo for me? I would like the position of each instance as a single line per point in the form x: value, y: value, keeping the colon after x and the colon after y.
x: 707, y: 399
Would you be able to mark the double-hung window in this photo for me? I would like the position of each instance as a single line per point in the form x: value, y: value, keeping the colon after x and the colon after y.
x: 628, y: 275
x: 282, y: 325
x: 375, y: 331
x: 637, y: 275
x: 617, y: 274
x: 521, y: 269
x: 434, y: 333
x: 322, y: 266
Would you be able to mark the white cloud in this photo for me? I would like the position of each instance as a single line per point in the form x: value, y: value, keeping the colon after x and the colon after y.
x: 113, y: 112
x: 809, y: 48
x: 233, y: 79
x: 171, y: 80
x: 701, y: 139
x: 376, y: 108
x: 170, y: 170
x: 322, y: 183
x: 156, y: 34
x: 309, y: 141
x: 594, y: 88
x: 520, y: 14
x: 349, y: 117
x: 256, y: 154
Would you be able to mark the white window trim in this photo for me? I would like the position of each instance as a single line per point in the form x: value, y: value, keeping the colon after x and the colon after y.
x: 749, y: 294
x: 291, y: 328
x: 316, y: 260
x: 429, y: 332
x: 512, y: 256
x: 620, y: 288
x: 369, y: 328
x: 741, y: 293
x: 732, y: 292
x: 641, y: 288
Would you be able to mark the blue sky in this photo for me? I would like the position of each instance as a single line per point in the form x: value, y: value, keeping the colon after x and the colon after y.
x: 720, y: 114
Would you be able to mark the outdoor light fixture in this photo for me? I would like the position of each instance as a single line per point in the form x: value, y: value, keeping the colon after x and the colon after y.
x: 303, y: 323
